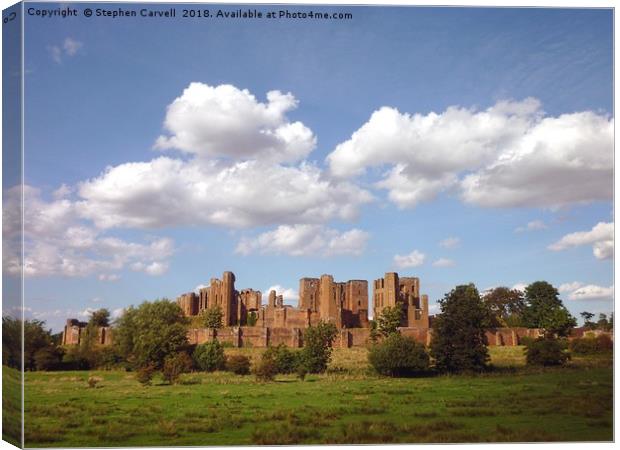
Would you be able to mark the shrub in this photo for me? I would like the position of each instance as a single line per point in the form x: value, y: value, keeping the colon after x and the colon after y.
x: 107, y: 358
x: 583, y: 346
x: 317, y: 349
x: 175, y: 365
x: 210, y: 356
x: 144, y: 375
x: 265, y: 369
x: 73, y: 359
x: 238, y: 364
x: 48, y: 358
x: 590, y: 345
x: 286, y: 360
x: 398, y: 356
x: 604, y: 343
x: 546, y: 352
x: 526, y: 340
x: 301, y: 372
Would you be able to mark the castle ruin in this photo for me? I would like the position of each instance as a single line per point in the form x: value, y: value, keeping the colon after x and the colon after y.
x: 246, y: 321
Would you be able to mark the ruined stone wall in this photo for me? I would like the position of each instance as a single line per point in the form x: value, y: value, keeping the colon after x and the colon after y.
x: 284, y: 317
x: 253, y: 337
x: 386, y: 292
x: 421, y: 335
x: 390, y: 290
x: 248, y: 301
x: 188, y: 303
x: 309, y: 294
x: 331, y: 296
x: 73, y: 333
x: 410, y: 290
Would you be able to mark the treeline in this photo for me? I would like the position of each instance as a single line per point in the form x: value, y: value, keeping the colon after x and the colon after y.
x: 459, y: 342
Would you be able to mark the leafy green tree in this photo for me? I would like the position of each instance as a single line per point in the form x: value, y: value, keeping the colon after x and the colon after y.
x: 389, y: 319
x: 587, y: 320
x: 212, y: 318
x: 48, y: 358
x: 458, y: 342
x: 148, y: 334
x: 545, y: 310
x: 317, y: 350
x: 505, y: 306
x: 36, y: 337
x: 100, y: 318
x: 603, y: 323
x: 210, y: 356
x: 11, y: 342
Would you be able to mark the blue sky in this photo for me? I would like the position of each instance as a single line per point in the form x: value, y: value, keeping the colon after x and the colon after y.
x: 492, y: 133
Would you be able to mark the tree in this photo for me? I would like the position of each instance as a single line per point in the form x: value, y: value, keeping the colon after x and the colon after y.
x: 458, y: 341
x: 11, y: 342
x: 212, y: 318
x: 603, y: 323
x: 398, y: 356
x: 586, y: 320
x: 36, y: 337
x: 210, y: 356
x: 389, y: 319
x: 317, y: 349
x: 175, y: 365
x: 505, y: 306
x: 100, y: 318
x: 146, y: 335
x: 48, y: 358
x: 545, y: 310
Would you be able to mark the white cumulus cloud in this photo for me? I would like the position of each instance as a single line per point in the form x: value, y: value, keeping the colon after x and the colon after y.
x: 580, y: 291
x: 58, y: 242
x: 601, y: 237
x: 305, y: 240
x: 507, y: 155
x: 169, y: 192
x: 225, y: 121
x: 413, y: 259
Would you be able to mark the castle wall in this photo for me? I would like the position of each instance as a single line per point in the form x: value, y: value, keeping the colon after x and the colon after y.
x: 392, y: 290
x: 309, y: 294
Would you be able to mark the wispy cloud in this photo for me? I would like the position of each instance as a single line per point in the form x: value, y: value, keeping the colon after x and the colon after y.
x: 69, y: 48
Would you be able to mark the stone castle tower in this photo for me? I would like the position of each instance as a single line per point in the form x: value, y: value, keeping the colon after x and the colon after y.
x: 391, y: 290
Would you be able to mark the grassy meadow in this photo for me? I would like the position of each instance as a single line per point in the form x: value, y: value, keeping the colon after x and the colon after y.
x: 348, y: 404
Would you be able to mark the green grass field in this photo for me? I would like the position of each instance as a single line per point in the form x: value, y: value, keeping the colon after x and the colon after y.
x: 346, y: 405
